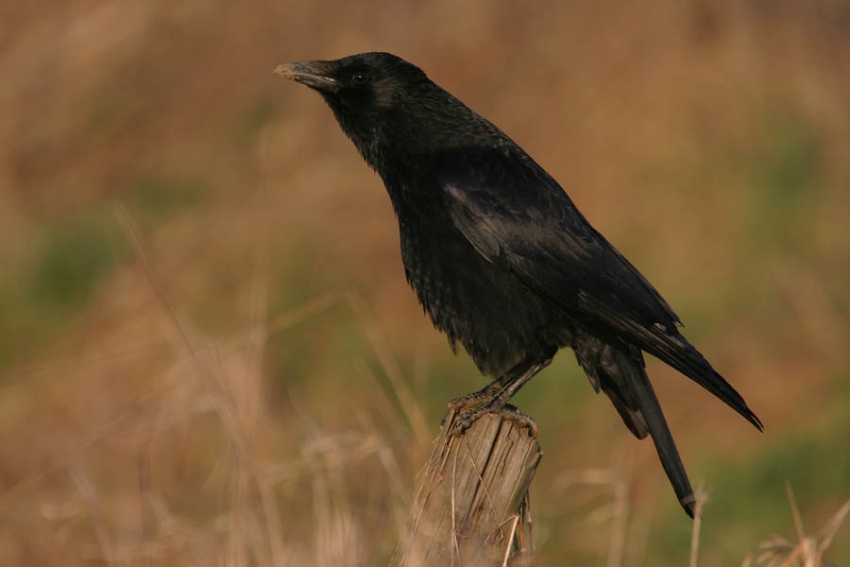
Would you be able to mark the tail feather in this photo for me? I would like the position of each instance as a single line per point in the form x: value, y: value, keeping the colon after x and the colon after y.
x: 661, y: 436
x: 666, y: 343
x: 676, y: 351
x: 622, y: 377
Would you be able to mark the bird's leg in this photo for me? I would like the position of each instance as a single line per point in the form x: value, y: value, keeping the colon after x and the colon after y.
x: 483, y: 396
x: 494, y: 397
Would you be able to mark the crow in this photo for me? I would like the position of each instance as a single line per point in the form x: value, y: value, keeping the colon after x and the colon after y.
x: 500, y: 258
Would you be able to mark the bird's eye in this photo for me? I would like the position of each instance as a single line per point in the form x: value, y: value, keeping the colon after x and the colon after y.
x: 359, y: 78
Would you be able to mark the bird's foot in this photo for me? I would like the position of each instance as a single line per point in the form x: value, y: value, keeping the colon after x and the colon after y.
x: 465, y: 416
x: 476, y: 400
x: 493, y: 398
x: 471, y: 403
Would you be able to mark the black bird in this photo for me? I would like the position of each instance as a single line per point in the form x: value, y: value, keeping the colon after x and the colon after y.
x: 500, y: 257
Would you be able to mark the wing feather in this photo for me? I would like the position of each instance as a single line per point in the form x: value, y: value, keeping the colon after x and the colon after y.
x: 518, y: 217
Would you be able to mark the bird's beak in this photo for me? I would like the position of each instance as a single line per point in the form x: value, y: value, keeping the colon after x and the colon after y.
x: 314, y: 74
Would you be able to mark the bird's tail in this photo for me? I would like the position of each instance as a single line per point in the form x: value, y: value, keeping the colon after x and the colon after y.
x: 622, y: 377
x: 666, y: 343
x: 676, y: 351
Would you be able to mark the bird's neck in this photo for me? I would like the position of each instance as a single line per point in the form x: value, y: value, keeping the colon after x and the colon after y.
x: 367, y: 133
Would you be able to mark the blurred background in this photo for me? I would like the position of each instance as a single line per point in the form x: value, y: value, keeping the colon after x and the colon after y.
x: 209, y: 353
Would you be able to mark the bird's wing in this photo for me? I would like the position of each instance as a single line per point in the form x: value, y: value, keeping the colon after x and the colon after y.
x: 516, y: 216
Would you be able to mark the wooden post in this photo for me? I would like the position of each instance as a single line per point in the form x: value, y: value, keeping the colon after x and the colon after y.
x: 472, y: 507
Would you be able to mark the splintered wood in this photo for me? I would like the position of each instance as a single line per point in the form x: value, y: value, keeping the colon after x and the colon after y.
x: 472, y: 505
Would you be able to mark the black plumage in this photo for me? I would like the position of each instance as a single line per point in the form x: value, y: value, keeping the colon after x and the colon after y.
x: 499, y: 256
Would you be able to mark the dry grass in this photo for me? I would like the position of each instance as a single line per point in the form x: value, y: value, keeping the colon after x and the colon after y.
x: 807, y: 551
x: 224, y: 381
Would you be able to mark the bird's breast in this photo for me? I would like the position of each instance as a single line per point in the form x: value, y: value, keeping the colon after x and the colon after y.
x: 486, y: 308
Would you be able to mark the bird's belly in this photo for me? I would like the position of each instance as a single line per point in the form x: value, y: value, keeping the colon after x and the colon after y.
x: 483, y: 306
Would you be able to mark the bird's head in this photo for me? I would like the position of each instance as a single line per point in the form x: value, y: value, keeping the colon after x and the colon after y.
x: 363, y: 83
x: 383, y: 103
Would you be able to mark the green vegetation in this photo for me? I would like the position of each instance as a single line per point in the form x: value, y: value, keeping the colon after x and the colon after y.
x: 68, y: 260
x: 787, y: 183
x: 156, y: 198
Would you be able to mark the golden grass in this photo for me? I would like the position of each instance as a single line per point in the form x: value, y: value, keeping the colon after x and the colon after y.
x: 807, y: 551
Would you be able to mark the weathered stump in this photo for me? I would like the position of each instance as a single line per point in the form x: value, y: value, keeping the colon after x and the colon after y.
x: 472, y: 506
